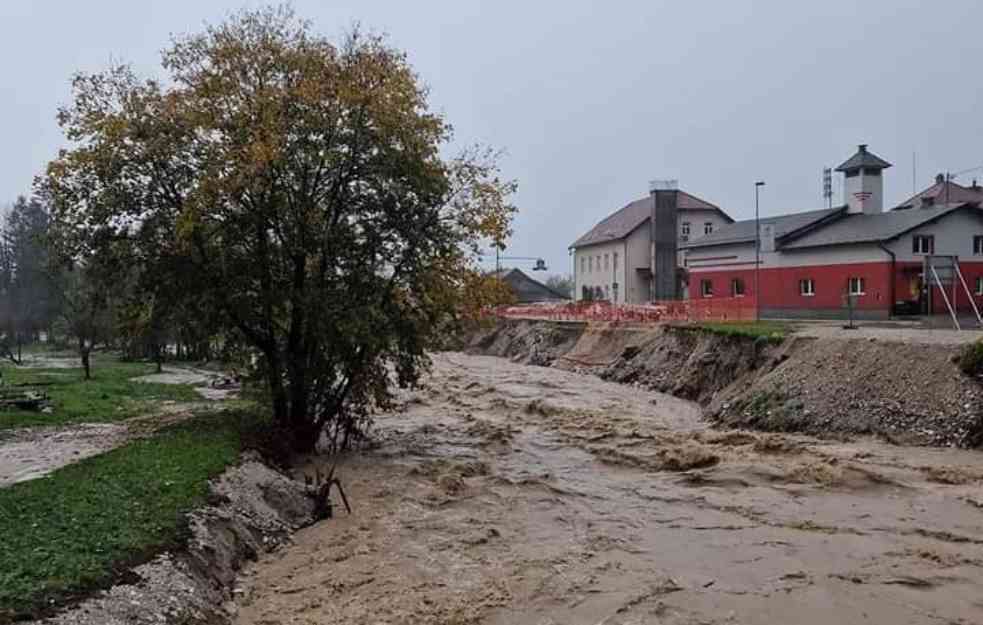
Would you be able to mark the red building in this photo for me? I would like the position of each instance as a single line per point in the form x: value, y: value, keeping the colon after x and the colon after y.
x: 926, y: 255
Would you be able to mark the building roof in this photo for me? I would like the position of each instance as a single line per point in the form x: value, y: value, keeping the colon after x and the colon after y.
x: 942, y: 192
x: 865, y: 159
x: 526, y: 289
x: 743, y: 231
x: 623, y: 222
x: 860, y: 228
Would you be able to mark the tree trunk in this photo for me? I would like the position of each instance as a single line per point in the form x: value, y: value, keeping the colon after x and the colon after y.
x: 305, y: 430
x: 84, y: 351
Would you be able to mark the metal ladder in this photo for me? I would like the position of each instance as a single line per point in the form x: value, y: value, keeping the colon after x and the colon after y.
x: 952, y: 267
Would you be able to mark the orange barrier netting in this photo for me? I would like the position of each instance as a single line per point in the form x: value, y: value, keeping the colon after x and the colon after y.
x: 709, y: 309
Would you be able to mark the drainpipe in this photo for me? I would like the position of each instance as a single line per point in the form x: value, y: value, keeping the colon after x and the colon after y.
x: 894, y: 277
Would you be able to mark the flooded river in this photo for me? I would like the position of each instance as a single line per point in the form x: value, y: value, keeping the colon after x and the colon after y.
x: 507, y: 494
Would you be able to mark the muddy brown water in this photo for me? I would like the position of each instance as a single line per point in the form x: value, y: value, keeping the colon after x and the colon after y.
x: 506, y: 494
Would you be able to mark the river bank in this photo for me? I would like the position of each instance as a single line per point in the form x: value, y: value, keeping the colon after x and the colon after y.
x: 905, y: 391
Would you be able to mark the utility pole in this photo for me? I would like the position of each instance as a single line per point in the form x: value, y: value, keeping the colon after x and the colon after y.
x: 757, y: 252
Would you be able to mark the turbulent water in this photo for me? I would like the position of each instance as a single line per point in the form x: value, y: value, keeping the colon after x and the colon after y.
x: 504, y: 493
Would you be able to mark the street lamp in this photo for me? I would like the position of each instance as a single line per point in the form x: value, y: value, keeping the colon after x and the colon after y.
x: 757, y: 252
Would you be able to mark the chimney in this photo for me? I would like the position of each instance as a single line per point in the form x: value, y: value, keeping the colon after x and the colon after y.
x: 863, y: 187
x: 665, y: 209
x: 939, y: 178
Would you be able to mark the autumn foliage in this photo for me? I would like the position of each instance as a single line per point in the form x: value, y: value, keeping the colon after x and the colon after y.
x: 296, y: 187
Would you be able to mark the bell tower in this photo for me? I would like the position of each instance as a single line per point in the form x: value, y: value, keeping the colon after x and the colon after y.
x: 863, y: 185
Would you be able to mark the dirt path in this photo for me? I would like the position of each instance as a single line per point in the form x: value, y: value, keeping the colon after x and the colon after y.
x: 506, y: 494
x: 30, y: 453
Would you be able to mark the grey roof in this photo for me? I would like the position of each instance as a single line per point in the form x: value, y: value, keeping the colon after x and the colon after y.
x: 865, y: 159
x: 743, y: 231
x: 859, y: 228
x: 526, y: 289
x: 623, y: 222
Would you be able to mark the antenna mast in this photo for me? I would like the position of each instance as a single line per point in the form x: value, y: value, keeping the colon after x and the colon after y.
x: 828, y: 186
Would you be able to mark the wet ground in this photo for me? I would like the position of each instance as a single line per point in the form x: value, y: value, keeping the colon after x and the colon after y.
x: 510, y: 494
x: 30, y: 453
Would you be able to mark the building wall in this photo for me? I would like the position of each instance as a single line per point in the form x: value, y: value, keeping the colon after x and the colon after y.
x: 637, y: 282
x: 697, y: 221
x: 589, y: 263
x: 831, y: 267
x: 634, y: 258
x: 953, y: 237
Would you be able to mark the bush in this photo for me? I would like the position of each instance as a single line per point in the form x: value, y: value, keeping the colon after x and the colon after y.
x: 971, y: 359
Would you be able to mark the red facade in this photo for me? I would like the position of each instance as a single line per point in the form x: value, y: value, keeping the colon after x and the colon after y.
x: 781, y: 287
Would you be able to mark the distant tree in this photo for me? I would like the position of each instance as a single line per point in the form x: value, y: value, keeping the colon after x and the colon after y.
x: 561, y: 284
x: 26, y: 291
x: 299, y: 189
x: 86, y: 309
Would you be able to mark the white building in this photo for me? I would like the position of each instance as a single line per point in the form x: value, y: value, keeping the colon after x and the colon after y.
x: 618, y: 258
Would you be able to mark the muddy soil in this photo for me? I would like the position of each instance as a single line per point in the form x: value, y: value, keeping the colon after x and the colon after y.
x: 505, y: 493
x: 202, y: 380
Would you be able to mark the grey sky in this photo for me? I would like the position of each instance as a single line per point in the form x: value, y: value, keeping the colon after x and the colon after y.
x: 593, y: 99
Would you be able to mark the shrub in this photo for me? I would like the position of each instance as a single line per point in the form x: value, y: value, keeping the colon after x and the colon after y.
x: 971, y: 359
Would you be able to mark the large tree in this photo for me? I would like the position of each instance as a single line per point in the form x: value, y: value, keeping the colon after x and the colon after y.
x: 299, y: 187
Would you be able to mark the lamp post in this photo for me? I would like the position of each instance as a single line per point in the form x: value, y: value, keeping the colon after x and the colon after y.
x: 757, y: 252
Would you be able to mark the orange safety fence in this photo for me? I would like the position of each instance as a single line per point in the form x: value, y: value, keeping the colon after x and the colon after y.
x: 709, y: 309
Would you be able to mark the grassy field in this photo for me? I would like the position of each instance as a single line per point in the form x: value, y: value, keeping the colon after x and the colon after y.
x: 110, y: 395
x: 770, y: 331
x: 67, y: 533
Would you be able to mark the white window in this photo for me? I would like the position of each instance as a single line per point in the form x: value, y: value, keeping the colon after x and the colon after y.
x: 614, y: 260
x: 979, y: 285
x: 737, y: 287
x: 685, y: 231
x: 923, y: 244
x: 583, y: 265
x: 807, y: 287
x: 978, y: 246
x: 590, y: 264
x: 706, y: 288
x: 598, y: 263
x: 607, y: 258
x: 857, y: 286
x: 708, y: 227
x: 607, y: 292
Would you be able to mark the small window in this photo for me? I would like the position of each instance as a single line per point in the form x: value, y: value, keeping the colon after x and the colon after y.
x: 706, y: 288
x: 614, y: 260
x: 607, y: 261
x: 685, y: 228
x: 607, y: 292
x: 583, y: 265
x: 598, y: 265
x: 708, y: 227
x: 590, y: 264
x: 979, y: 285
x: 853, y: 173
x: 923, y: 244
x: 807, y: 287
x: 978, y: 246
x: 737, y: 287
x: 856, y: 286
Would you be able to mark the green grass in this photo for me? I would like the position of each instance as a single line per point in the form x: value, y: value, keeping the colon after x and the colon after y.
x: 110, y: 395
x: 770, y: 331
x: 69, y: 532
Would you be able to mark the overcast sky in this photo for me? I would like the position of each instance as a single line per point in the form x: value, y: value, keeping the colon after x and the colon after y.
x: 591, y: 100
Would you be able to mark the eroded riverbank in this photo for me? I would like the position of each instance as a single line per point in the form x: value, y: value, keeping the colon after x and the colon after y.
x: 504, y: 493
